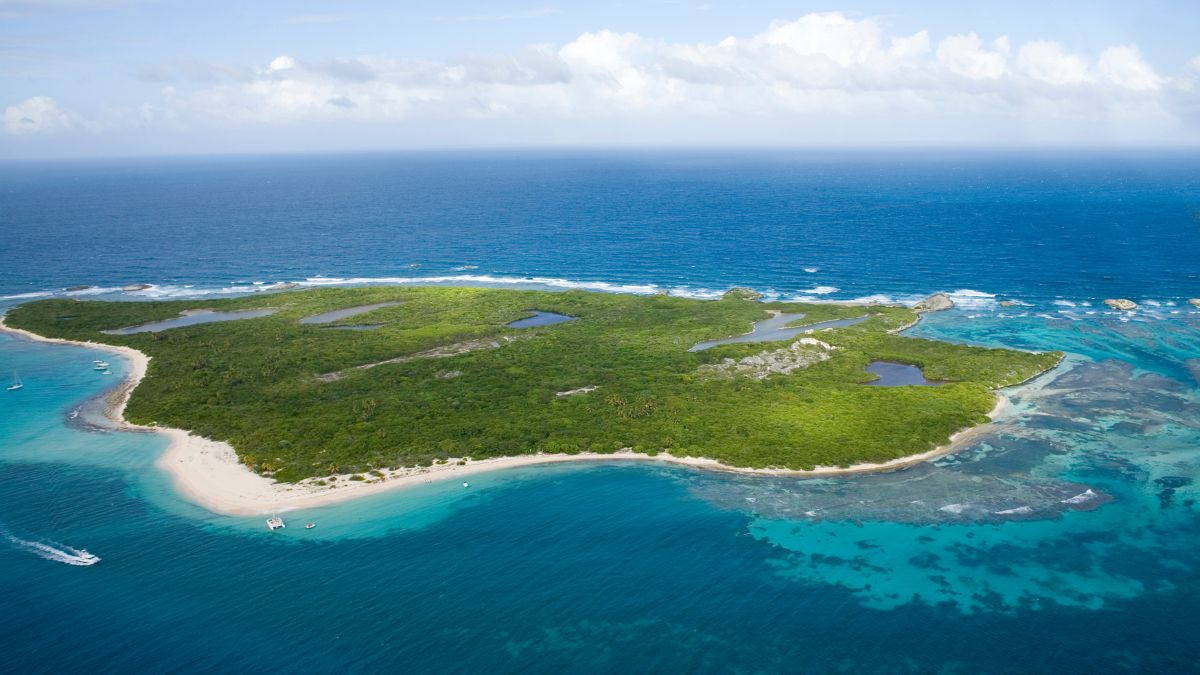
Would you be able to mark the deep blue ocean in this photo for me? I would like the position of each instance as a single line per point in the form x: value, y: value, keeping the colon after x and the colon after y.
x: 1066, y: 539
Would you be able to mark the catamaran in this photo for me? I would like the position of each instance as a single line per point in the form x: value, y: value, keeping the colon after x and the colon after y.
x: 101, y: 365
x: 275, y: 523
x: 17, y: 384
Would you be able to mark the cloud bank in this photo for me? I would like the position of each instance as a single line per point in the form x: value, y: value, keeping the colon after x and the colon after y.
x: 821, y: 77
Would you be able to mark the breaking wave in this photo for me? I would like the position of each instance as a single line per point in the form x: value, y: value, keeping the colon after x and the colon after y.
x: 966, y: 298
x: 1018, y: 511
x: 1081, y: 498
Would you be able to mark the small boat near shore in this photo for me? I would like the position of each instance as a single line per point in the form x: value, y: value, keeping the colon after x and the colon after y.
x: 100, y: 365
x: 275, y: 523
x: 17, y: 383
x: 310, y: 526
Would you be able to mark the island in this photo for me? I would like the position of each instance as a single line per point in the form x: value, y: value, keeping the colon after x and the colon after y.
x: 296, y: 398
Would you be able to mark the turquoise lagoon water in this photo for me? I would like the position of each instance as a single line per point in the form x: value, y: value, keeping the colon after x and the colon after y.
x: 1064, y: 539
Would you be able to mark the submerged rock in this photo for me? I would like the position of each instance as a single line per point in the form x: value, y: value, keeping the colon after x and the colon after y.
x: 135, y: 287
x: 71, y: 289
x: 741, y: 293
x: 1121, y: 304
x: 1194, y: 302
x: 1009, y: 303
x: 935, y: 303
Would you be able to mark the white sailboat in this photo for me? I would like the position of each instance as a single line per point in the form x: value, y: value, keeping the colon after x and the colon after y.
x: 17, y: 384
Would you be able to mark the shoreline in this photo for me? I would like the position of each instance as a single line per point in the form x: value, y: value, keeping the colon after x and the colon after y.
x: 209, y: 473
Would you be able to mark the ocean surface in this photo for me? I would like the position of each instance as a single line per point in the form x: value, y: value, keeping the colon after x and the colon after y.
x: 1066, y: 539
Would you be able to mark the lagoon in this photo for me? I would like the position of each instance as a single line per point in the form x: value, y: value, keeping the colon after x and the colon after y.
x: 339, y: 314
x: 194, y: 318
x: 540, y: 318
x: 892, y: 374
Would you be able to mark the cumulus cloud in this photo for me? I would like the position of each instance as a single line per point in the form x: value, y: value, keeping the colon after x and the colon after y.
x: 1124, y: 67
x: 281, y: 63
x: 794, y: 79
x: 965, y: 55
x: 1049, y: 62
x: 36, y: 115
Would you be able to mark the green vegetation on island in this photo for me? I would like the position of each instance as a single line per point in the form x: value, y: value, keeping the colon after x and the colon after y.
x: 289, y: 398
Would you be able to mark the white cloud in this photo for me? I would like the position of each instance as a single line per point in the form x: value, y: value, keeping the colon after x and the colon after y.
x: 832, y: 36
x: 281, y: 63
x: 910, y: 47
x: 824, y: 77
x: 965, y: 55
x: 1049, y: 62
x: 1124, y: 67
x: 36, y: 115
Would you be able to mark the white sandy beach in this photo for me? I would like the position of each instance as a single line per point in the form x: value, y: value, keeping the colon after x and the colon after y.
x: 209, y: 473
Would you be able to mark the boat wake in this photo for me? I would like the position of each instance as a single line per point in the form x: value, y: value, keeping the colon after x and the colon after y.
x: 58, y: 552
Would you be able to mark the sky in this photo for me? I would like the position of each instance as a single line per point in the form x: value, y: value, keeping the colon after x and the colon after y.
x: 83, y: 78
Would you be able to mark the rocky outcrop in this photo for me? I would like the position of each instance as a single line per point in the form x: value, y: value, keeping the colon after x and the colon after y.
x: 72, y: 289
x: 799, y: 355
x: 1009, y: 303
x: 741, y: 293
x: 935, y: 303
x: 1194, y: 302
x: 1121, y: 304
x: 135, y: 287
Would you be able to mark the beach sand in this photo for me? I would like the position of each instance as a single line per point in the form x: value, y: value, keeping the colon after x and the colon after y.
x: 208, y: 472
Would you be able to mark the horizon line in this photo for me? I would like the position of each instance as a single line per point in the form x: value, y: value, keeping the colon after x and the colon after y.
x: 1172, y: 148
